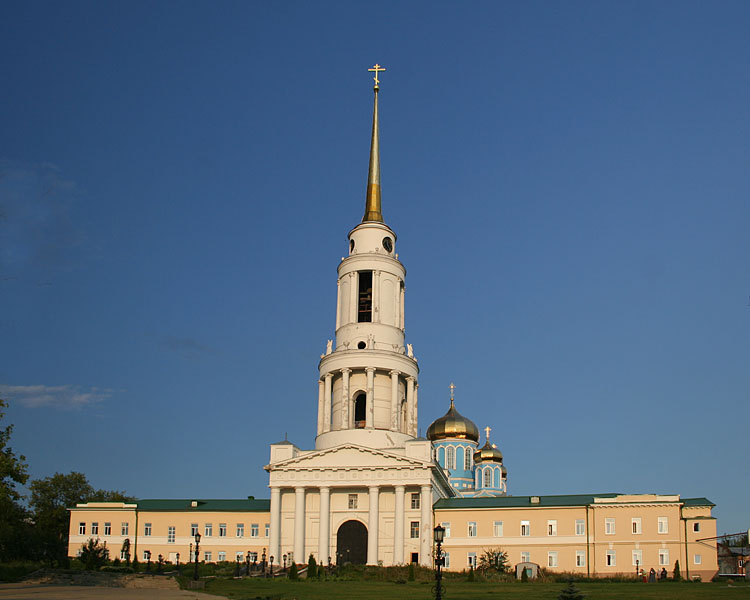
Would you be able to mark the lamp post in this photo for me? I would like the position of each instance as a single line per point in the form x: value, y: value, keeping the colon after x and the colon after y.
x: 247, y: 563
x: 270, y: 568
x: 197, y: 552
x: 284, y: 569
x: 439, y: 532
x: 637, y: 571
x: 263, y: 562
x: 179, y: 571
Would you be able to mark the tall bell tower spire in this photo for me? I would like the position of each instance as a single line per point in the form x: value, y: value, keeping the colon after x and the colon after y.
x: 373, y: 210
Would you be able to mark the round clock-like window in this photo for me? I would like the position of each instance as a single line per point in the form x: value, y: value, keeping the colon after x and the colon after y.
x: 388, y: 244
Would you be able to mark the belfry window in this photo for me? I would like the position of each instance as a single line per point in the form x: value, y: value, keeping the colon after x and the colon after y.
x: 364, y: 309
x: 360, y: 406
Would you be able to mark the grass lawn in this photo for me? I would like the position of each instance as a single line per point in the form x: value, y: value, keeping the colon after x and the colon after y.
x: 250, y: 589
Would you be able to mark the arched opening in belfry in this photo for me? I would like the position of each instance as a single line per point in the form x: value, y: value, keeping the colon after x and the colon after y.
x: 364, y: 309
x: 360, y: 410
x: 351, y: 543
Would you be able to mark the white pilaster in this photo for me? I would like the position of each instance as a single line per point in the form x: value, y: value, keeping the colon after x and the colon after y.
x: 415, y: 412
x: 398, y: 527
x: 376, y: 296
x: 324, y: 532
x: 321, y: 406
x: 345, y: 399
x: 402, y: 308
x: 425, y: 526
x: 327, y: 403
x: 409, y: 405
x: 299, y: 524
x: 373, y: 519
x: 274, y: 542
x: 354, y: 297
x: 338, y: 304
x: 394, y: 400
x: 370, y: 417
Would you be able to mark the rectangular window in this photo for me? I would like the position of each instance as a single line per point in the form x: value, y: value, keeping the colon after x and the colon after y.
x: 95, y: 528
x: 240, y: 530
x: 123, y: 555
x: 580, y: 527
x: 254, y: 530
x: 352, y: 500
x: 497, y: 529
x: 170, y: 534
x: 81, y: 528
x: 222, y: 530
x: 525, y: 556
x: 147, y: 529
x: 108, y: 529
x: 146, y: 554
x: 253, y: 557
x: 663, y: 525
x: 472, y: 529
x: 446, y: 560
x: 663, y: 557
x: 124, y: 528
x: 696, y: 527
x: 364, y: 310
x: 467, y: 460
x: 525, y: 528
x: 637, y: 558
x: 222, y: 556
x: 580, y: 558
x: 267, y: 530
x: 193, y: 529
x: 609, y: 526
x: 551, y: 559
x: 415, y: 501
x: 472, y: 559
x: 447, y: 527
x: 207, y: 557
x: 414, y: 530
x: 552, y: 527
x: 636, y: 525
x: 208, y: 530
x: 611, y: 558
x: 239, y: 556
x: 696, y: 559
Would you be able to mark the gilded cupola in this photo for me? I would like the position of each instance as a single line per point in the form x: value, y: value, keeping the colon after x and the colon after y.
x: 453, y: 425
x: 488, y: 452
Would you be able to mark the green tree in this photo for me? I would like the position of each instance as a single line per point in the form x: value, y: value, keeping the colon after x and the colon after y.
x: 411, y: 571
x: 312, y: 567
x: 571, y: 592
x: 525, y: 575
x: 293, y: 575
x: 94, y: 554
x: 12, y: 513
x: 676, y: 573
x: 493, y: 559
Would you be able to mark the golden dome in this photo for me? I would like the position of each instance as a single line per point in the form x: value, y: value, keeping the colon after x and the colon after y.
x: 452, y: 425
x: 488, y: 453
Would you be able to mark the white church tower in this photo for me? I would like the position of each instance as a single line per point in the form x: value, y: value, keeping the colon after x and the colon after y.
x: 365, y: 493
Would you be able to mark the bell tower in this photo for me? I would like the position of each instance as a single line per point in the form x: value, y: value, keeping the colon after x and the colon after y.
x: 367, y: 391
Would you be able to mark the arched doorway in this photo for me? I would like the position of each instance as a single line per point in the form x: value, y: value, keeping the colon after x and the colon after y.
x: 351, y: 543
x: 360, y: 408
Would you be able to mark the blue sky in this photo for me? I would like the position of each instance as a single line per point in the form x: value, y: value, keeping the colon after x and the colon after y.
x: 569, y: 183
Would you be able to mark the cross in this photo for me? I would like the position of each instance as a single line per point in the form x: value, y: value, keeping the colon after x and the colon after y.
x: 453, y: 388
x: 487, y: 432
x: 377, y: 68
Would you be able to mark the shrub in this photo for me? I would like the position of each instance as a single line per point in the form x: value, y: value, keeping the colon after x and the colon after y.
x: 411, y: 572
x: 524, y: 576
x: 312, y: 567
x: 571, y: 592
x: 93, y: 555
x: 471, y: 574
x: 293, y: 574
x: 676, y: 573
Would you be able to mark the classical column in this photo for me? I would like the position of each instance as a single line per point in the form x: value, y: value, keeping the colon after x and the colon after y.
x: 338, y: 304
x: 370, y: 418
x: 415, y: 411
x: 394, y: 400
x: 425, y: 526
x: 398, y: 527
x: 376, y: 304
x: 409, y: 404
x: 299, y: 524
x: 321, y: 405
x: 345, y: 399
x: 274, y: 542
x: 353, y: 297
x: 324, y: 531
x: 327, y: 403
x: 373, y: 519
x: 402, y: 306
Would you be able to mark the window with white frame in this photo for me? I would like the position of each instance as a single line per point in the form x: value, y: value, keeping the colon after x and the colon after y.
x: 146, y: 529
x: 525, y: 528
x: 170, y: 534
x: 446, y: 560
x: 663, y: 525
x: 663, y: 557
x: 193, y: 529
x: 415, y: 501
x: 222, y: 530
x: 488, y: 478
x: 580, y: 558
x: 636, y: 525
x: 253, y: 556
x: 124, y: 528
x: 609, y: 526
x: 352, y: 500
x: 221, y: 556
x: 525, y: 556
x: 580, y: 527
x: 240, y: 530
x: 146, y: 554
x: 696, y: 526
x: 697, y: 559
x: 266, y: 530
x: 123, y: 555
x: 107, y: 528
x: 497, y: 529
x: 254, y: 530
x: 552, y: 527
x: 208, y: 530
x: 450, y: 457
x: 551, y: 559
x: 81, y: 528
x: 637, y: 557
x: 611, y: 558
x: 207, y: 557
x: 239, y: 556
x: 414, y: 529
x: 472, y: 559
x: 467, y: 459
x: 447, y: 527
x: 95, y: 528
x: 472, y: 529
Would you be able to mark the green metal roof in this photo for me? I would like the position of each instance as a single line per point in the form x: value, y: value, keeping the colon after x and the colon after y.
x: 206, y: 505
x: 697, y: 502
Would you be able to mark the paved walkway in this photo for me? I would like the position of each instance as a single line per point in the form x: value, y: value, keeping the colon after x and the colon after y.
x: 33, y: 591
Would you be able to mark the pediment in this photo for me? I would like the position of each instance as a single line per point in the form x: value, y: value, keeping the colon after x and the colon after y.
x: 348, y: 456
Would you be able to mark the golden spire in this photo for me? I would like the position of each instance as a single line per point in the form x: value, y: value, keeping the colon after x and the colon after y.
x: 372, y: 202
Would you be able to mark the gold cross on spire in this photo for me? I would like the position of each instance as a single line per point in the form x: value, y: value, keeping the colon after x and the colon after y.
x: 377, y: 68
x: 487, y: 432
x: 453, y: 389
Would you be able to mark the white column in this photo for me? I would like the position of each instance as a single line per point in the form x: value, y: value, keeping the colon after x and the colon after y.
x: 409, y: 404
x: 327, y: 402
x: 370, y: 417
x: 398, y: 527
x: 394, y: 400
x: 376, y: 297
x: 353, y: 297
x: 372, y: 526
x: 274, y: 542
x: 425, y: 526
x: 324, y: 531
x: 338, y: 304
x: 415, y: 411
x: 345, y: 399
x: 321, y: 406
x: 299, y: 525
x: 402, y: 307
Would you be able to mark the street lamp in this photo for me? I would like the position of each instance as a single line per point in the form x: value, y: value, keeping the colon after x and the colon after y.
x: 247, y: 563
x: 179, y: 571
x: 270, y: 569
x: 263, y: 562
x: 148, y: 559
x: 284, y: 569
x: 197, y: 552
x: 439, y: 532
x: 637, y: 572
